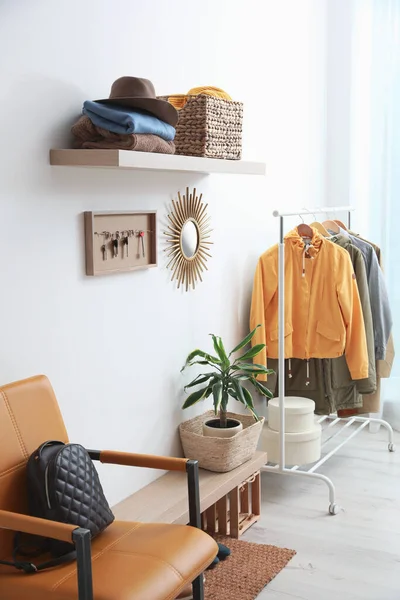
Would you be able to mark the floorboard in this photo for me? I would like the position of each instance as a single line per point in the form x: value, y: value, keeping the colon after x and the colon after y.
x: 354, y: 555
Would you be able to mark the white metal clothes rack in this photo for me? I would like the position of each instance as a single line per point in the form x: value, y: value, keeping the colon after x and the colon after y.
x: 280, y: 468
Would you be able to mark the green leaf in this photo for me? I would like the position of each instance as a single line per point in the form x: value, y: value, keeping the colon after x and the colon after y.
x: 252, y: 352
x: 232, y: 392
x: 239, y: 392
x: 209, y: 391
x: 245, y: 340
x: 195, y: 397
x: 200, y: 379
x: 261, y: 388
x: 220, y: 350
x: 242, y: 377
x: 242, y: 395
x: 217, y: 393
x: 251, y: 372
x: 196, y: 362
x: 250, y: 403
x: 249, y: 368
x: 202, y: 354
x: 259, y: 366
x: 248, y: 397
x: 199, y: 353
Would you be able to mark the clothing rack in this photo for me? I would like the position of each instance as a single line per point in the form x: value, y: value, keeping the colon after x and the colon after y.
x: 333, y: 420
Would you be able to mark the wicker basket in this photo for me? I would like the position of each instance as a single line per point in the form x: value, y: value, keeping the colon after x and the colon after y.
x: 220, y: 454
x: 209, y: 126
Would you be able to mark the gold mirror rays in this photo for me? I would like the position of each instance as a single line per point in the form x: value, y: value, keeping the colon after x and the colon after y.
x: 188, y: 239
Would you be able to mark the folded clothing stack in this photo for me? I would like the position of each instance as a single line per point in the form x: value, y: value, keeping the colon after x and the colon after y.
x: 131, y: 119
x: 121, y: 129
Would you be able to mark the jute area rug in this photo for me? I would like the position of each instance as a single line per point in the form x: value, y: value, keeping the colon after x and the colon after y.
x: 246, y: 572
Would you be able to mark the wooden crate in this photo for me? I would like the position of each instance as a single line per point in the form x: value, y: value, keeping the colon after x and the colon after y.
x: 235, y: 512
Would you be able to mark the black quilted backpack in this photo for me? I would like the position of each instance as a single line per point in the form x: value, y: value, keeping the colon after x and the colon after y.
x: 63, y: 485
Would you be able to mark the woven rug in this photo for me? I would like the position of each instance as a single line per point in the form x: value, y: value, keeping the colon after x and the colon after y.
x: 246, y: 572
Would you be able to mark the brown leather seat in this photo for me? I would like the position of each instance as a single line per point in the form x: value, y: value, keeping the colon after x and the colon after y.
x: 130, y: 561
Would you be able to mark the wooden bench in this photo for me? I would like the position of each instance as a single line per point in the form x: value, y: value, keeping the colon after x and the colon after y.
x: 229, y: 502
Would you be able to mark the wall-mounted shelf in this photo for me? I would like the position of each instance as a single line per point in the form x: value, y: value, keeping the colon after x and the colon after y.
x: 126, y: 159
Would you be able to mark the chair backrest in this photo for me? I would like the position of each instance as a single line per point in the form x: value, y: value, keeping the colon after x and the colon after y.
x: 29, y: 415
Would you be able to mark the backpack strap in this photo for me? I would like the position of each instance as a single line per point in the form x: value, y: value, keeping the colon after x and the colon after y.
x: 29, y: 567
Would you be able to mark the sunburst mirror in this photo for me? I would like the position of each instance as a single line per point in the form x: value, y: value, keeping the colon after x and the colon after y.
x: 188, y: 239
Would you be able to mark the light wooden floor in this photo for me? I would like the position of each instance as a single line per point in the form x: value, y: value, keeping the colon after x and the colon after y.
x: 354, y: 555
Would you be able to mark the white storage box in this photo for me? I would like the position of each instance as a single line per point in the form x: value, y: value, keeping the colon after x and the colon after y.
x: 299, y: 414
x: 300, y: 448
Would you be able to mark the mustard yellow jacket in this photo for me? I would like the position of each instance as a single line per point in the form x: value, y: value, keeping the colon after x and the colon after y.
x: 323, y: 315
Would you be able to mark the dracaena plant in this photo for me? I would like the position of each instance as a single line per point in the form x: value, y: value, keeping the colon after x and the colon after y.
x: 227, y: 378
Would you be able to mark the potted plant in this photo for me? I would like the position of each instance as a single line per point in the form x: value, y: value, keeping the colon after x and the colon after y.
x: 226, y: 380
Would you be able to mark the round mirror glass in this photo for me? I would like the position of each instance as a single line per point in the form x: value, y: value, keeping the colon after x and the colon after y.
x: 190, y: 239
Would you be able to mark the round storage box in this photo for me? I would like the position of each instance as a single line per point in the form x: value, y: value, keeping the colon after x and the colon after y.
x: 299, y: 414
x: 300, y: 448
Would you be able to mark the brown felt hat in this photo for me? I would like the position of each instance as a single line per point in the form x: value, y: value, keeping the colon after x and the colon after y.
x: 136, y: 92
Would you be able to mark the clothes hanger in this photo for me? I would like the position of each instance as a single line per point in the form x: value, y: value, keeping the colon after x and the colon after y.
x: 332, y: 225
x: 320, y: 228
x: 304, y: 230
x: 341, y: 224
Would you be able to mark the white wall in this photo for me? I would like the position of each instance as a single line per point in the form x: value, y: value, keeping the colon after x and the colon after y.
x: 339, y: 21
x: 113, y: 346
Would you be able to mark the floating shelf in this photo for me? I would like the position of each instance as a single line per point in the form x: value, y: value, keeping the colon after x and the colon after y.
x: 127, y: 159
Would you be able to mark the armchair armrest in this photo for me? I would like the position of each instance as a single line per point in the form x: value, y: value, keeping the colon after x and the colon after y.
x: 167, y: 463
x: 36, y: 526
x: 58, y: 531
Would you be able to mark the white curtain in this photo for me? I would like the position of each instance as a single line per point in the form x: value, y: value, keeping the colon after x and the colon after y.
x: 375, y: 152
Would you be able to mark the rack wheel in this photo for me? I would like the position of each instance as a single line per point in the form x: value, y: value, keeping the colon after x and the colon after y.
x: 391, y: 447
x: 333, y: 508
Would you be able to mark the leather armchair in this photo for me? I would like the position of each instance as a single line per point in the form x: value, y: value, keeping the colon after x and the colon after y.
x: 128, y: 561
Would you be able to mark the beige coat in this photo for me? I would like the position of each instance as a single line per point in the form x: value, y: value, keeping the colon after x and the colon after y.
x: 372, y: 403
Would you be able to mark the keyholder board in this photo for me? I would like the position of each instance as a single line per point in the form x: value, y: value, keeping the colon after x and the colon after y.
x: 117, y: 242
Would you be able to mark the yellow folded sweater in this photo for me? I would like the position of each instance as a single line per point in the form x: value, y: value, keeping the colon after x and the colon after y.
x: 179, y: 100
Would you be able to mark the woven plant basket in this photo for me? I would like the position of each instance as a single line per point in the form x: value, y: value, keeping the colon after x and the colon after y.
x: 210, y: 127
x: 220, y: 454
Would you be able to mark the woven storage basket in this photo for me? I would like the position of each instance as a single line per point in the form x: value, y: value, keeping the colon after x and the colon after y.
x: 220, y: 454
x: 209, y: 126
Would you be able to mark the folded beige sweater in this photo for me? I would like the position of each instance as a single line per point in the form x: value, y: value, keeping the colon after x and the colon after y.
x: 88, y: 135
